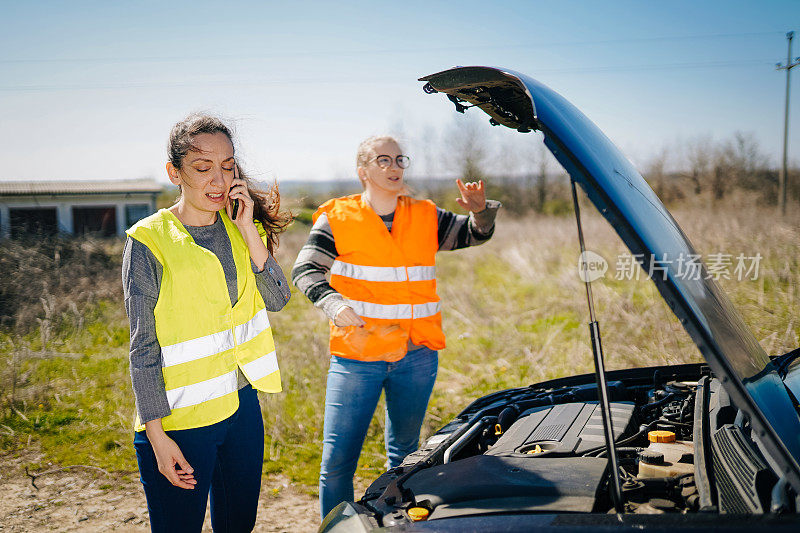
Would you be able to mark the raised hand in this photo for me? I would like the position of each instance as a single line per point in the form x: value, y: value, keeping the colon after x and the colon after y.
x: 238, y: 191
x: 473, y: 197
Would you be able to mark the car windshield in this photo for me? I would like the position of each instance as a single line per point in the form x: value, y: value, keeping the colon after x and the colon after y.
x: 620, y: 193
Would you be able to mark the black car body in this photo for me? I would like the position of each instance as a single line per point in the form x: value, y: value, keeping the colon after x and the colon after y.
x: 535, y: 458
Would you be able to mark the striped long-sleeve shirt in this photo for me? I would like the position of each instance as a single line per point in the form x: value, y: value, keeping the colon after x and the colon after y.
x: 316, y: 257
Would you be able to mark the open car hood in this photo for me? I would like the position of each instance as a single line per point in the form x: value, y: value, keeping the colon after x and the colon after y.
x: 623, y: 197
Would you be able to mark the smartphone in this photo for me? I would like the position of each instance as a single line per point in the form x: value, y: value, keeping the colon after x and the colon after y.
x: 235, y: 202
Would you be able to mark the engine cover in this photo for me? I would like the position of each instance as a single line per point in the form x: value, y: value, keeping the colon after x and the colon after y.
x: 566, y: 428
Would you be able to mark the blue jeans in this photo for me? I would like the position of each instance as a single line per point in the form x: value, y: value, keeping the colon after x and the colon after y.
x: 352, y: 394
x: 227, y: 458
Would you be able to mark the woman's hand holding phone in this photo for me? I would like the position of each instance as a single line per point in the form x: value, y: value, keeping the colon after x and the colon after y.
x: 240, y: 202
x: 240, y: 205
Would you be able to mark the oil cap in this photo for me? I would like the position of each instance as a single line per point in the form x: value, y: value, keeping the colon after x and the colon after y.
x: 418, y: 513
x: 651, y: 457
x: 661, y: 436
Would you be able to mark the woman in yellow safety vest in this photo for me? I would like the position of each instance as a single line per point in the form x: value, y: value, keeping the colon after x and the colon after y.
x: 379, y: 248
x: 199, y: 278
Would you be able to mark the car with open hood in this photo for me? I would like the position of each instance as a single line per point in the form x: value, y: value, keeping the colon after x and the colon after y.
x: 679, y: 447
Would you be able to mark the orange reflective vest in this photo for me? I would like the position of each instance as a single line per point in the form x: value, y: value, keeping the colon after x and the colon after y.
x: 389, y: 279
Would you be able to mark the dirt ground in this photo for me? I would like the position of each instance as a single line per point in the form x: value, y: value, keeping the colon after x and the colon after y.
x: 80, y: 499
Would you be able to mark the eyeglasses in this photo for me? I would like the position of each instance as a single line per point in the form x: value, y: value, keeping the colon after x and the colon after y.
x: 385, y: 161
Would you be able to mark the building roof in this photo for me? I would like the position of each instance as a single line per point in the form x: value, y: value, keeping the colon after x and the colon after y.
x: 27, y: 187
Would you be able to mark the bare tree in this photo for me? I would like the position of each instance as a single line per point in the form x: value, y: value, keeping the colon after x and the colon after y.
x: 428, y: 152
x: 656, y: 173
x: 700, y: 155
x: 746, y: 160
x: 723, y: 173
x: 738, y: 162
x: 541, y: 177
x: 465, y: 145
x: 509, y: 158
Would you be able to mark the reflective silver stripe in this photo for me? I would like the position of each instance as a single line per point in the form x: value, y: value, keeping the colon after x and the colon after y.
x: 251, y: 328
x: 193, y: 349
x: 388, y: 312
x: 428, y: 309
x: 261, y: 367
x: 368, y: 273
x: 373, y: 273
x: 421, y: 273
x: 396, y: 311
x: 202, y: 392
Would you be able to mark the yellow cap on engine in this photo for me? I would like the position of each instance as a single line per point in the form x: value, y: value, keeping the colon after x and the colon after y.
x: 661, y: 436
x: 418, y: 513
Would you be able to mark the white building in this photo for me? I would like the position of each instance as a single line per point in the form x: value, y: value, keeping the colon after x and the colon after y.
x: 107, y: 207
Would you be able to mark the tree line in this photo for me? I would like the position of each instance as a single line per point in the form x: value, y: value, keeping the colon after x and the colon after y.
x: 520, y: 171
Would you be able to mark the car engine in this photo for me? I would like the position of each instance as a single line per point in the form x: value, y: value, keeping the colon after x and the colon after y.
x: 682, y: 448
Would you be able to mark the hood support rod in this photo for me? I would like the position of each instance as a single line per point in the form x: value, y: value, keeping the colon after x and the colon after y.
x: 600, y: 372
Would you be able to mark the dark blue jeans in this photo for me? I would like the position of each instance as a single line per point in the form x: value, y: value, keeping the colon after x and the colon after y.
x: 352, y: 394
x: 227, y: 458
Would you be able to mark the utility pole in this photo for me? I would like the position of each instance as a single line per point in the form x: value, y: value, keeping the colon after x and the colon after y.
x: 782, y: 178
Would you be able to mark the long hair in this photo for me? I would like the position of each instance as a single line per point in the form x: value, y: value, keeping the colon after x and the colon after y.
x: 267, y: 202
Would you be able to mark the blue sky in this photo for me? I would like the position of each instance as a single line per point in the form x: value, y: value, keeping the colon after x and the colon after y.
x: 89, y: 90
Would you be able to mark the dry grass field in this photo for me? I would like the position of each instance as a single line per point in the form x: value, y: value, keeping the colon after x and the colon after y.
x: 514, y: 311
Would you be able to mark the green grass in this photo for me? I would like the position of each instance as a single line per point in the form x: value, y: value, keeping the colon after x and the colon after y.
x: 78, y: 409
x: 514, y: 311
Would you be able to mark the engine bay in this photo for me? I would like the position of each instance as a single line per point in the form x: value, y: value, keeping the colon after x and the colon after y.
x: 682, y: 448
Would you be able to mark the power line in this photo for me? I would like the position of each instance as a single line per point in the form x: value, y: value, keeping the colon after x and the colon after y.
x: 340, y: 53
x: 657, y: 66
x: 383, y: 81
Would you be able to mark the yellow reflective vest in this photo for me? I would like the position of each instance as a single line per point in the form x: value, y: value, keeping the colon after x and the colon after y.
x: 203, y: 338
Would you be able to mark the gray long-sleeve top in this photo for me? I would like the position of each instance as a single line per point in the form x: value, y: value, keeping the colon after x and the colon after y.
x: 141, y: 281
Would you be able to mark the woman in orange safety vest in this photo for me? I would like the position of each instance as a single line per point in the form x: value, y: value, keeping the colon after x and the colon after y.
x: 379, y: 248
